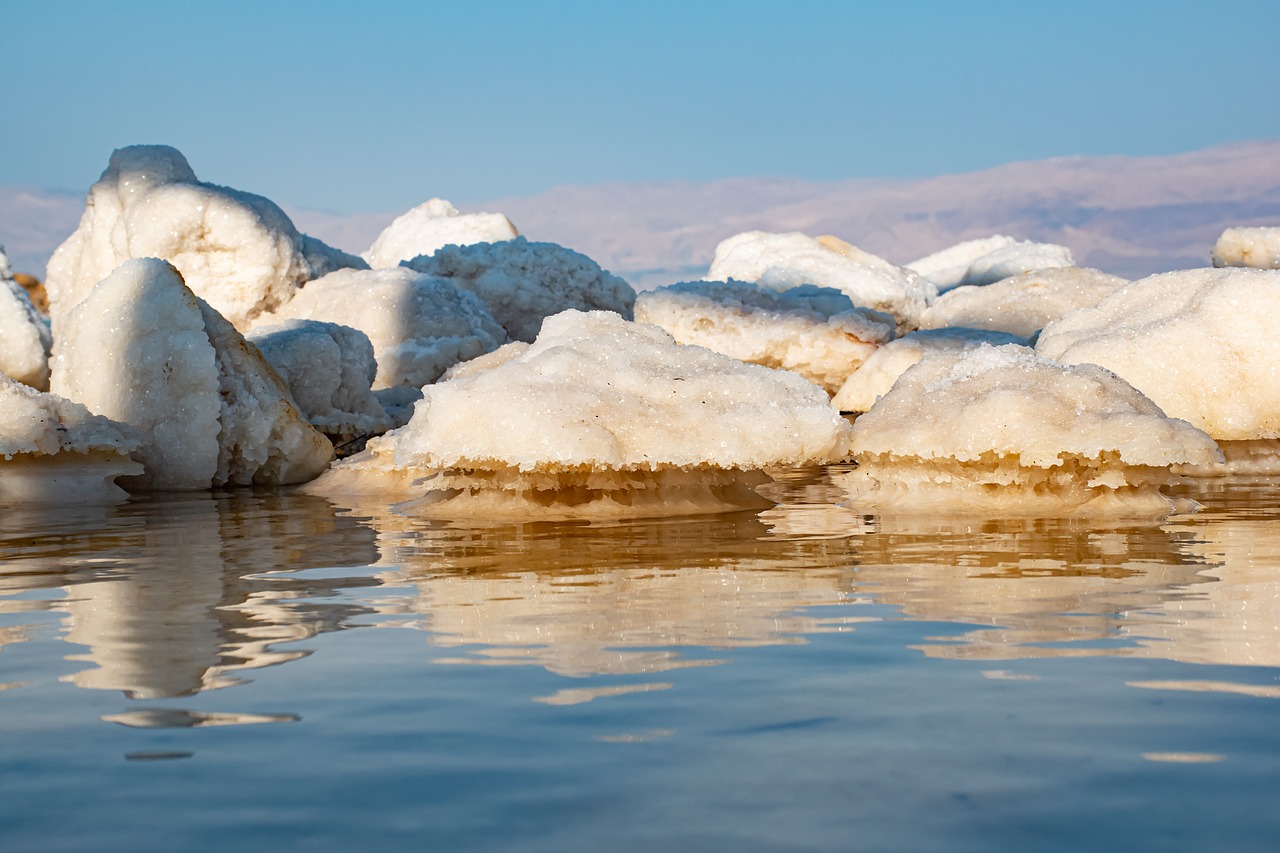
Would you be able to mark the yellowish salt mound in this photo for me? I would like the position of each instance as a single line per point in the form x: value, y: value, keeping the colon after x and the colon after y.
x: 1248, y: 247
x: 999, y: 430
x: 54, y: 451
x: 598, y: 417
x: 814, y: 331
x: 1021, y: 304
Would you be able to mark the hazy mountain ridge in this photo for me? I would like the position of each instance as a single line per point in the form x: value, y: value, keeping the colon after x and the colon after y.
x: 1127, y: 215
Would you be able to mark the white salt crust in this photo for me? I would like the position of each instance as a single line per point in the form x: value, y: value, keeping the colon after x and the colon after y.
x: 947, y: 267
x: 142, y: 349
x: 785, y: 261
x: 1021, y: 304
x: 237, y: 251
x: 433, y: 225
x: 54, y: 451
x: 25, y: 340
x: 876, y: 376
x: 599, y: 416
x: 521, y: 282
x: 816, y: 332
x: 1248, y: 247
x: 1000, y: 430
x: 1204, y: 344
x: 968, y: 264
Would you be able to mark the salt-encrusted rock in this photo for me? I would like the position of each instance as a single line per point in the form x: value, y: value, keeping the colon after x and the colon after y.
x: 329, y: 369
x: 947, y: 267
x: 521, y: 282
x: 419, y: 326
x: 814, y: 331
x: 488, y: 361
x: 237, y: 251
x: 961, y: 265
x: 142, y: 349
x: 432, y: 225
x: 54, y: 451
x: 1248, y: 247
x: 1001, y: 430
x: 24, y: 338
x: 1021, y: 304
x: 600, y: 416
x: 876, y: 376
x: 1204, y: 344
x: 784, y: 261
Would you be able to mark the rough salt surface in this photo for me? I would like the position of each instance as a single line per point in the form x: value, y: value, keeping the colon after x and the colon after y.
x: 1021, y: 304
x: 601, y: 416
x: 237, y: 251
x: 785, y: 261
x: 999, y: 429
x: 433, y: 225
x: 947, y: 267
x: 962, y: 265
x: 816, y: 332
x: 142, y: 349
x: 329, y: 369
x: 54, y: 451
x: 1204, y: 344
x: 1248, y: 247
x: 25, y: 340
x: 876, y: 376
x: 521, y: 283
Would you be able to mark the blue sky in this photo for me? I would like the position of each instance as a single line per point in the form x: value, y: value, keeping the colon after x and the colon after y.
x: 379, y: 105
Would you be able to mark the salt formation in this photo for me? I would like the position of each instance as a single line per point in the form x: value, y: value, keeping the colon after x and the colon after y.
x: 54, y: 451
x: 237, y: 251
x: 963, y: 265
x: 522, y: 282
x: 329, y: 369
x: 419, y: 326
x: 433, y: 225
x: 1248, y: 247
x: 1000, y: 430
x: 948, y: 266
x: 1021, y: 304
x: 598, y: 417
x: 142, y: 349
x: 1204, y: 344
x: 816, y: 332
x: 24, y: 338
x: 785, y: 261
x: 876, y: 376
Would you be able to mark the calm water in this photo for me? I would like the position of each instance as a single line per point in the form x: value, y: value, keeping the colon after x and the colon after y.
x: 266, y: 671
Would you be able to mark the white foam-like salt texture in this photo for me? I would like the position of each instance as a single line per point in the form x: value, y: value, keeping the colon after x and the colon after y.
x: 876, y: 376
x: 433, y: 225
x: 522, y: 282
x: 25, y: 340
x: 947, y: 267
x: 1021, y: 304
x: 785, y: 261
x: 599, y: 416
x: 419, y: 326
x: 54, y: 451
x: 816, y: 332
x: 968, y: 264
x: 1001, y: 430
x: 1248, y: 247
x: 329, y: 369
x: 237, y: 251
x: 143, y: 350
x: 1204, y: 344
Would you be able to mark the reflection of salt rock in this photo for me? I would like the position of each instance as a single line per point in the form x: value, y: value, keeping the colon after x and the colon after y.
x: 522, y: 282
x: 24, y: 338
x: 876, y: 376
x: 237, y: 251
x: 142, y: 349
x: 431, y: 226
x: 784, y: 261
x: 946, y: 268
x: 1248, y: 247
x: 1203, y: 344
x: 816, y: 332
x: 329, y: 370
x: 1021, y: 304
x: 53, y: 451
x: 601, y: 416
x: 999, y: 429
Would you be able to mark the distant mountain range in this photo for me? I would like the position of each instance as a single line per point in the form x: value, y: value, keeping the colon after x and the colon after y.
x: 1131, y: 216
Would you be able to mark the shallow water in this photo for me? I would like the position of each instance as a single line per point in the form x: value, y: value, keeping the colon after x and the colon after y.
x: 265, y: 671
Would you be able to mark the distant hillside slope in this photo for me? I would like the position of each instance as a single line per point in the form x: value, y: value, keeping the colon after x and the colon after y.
x: 1127, y: 215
